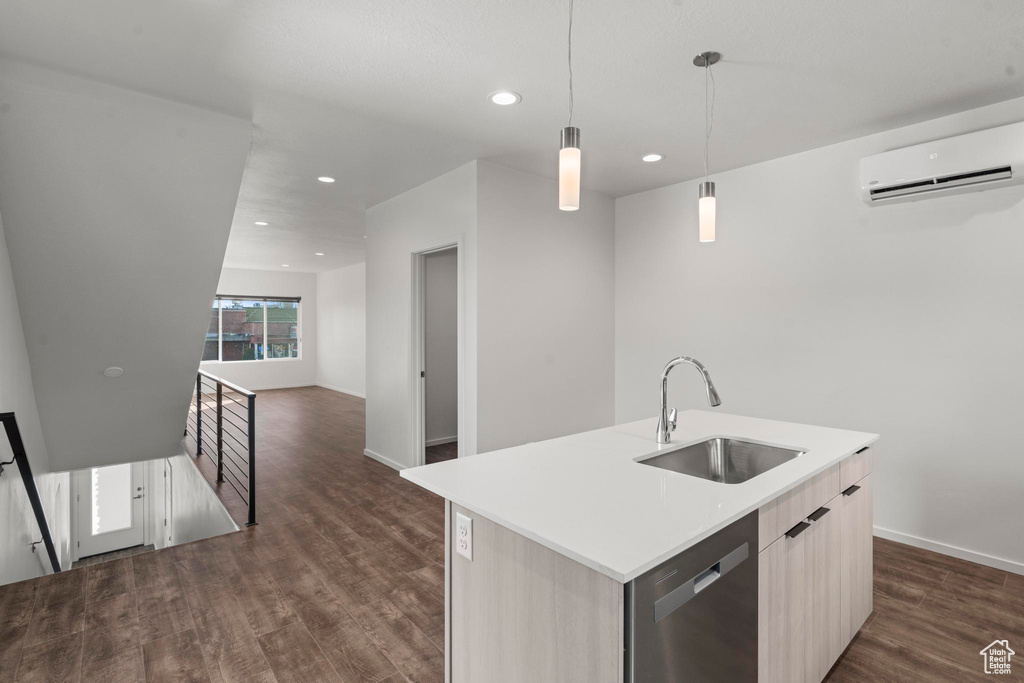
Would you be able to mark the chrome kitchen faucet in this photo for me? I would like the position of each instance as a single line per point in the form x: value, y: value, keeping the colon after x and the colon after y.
x: 667, y: 420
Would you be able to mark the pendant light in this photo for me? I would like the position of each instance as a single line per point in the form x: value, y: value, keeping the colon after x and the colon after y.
x: 706, y: 201
x: 569, y: 152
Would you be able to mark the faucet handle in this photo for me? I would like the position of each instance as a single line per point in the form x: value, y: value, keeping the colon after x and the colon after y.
x: 672, y: 419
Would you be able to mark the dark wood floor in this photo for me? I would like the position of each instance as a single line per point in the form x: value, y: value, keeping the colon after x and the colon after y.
x: 442, y: 452
x: 115, y: 555
x: 342, y: 580
x: 933, y: 615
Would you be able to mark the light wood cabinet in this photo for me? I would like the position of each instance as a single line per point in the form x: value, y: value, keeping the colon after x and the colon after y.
x: 781, y: 624
x: 814, y: 579
x: 799, y: 630
x: 522, y: 612
x: 822, y: 562
x: 856, y: 533
x: 777, y: 516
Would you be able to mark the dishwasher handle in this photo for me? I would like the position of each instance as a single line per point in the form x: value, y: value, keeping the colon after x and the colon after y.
x: 681, y: 595
x: 707, y: 577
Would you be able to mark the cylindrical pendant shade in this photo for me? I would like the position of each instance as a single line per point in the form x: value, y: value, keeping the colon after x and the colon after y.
x: 569, y: 170
x: 706, y: 210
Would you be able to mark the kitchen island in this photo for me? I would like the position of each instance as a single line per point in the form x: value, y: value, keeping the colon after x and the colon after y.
x: 567, y: 544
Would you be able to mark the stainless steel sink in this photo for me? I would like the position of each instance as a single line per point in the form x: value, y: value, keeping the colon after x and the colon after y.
x: 728, y: 461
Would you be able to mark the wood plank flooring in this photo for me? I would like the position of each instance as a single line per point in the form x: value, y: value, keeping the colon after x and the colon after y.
x: 342, y: 580
x: 442, y: 452
x: 933, y: 615
x: 115, y: 555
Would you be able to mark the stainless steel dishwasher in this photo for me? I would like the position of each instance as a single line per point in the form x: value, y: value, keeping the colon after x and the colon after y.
x: 693, y: 618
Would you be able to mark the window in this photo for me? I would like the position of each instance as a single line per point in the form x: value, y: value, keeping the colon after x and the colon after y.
x: 210, y: 351
x: 111, y: 498
x: 253, y: 328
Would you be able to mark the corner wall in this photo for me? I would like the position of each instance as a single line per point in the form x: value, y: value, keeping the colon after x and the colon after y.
x: 18, y: 527
x: 538, y: 303
x: 341, y: 329
x: 439, y: 211
x: 547, y: 310
x: 905, y: 320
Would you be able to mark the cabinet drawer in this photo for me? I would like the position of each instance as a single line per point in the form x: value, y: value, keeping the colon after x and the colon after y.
x: 855, y: 468
x: 778, y: 516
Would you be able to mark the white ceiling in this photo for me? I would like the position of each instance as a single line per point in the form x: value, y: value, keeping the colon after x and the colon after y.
x: 111, y: 251
x: 386, y: 95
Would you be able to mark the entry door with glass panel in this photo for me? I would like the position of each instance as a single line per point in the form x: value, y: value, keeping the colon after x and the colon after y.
x: 110, y: 512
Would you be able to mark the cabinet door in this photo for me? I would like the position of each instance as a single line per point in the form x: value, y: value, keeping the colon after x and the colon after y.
x: 823, y: 641
x: 782, y: 628
x: 799, y: 635
x: 856, y: 522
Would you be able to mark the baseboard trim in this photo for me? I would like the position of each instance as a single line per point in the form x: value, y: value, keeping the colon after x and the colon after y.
x: 342, y: 391
x: 442, y: 440
x: 271, y: 387
x: 380, y: 458
x: 951, y: 550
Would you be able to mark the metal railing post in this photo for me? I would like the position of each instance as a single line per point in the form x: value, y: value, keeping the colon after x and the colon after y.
x: 220, y: 432
x: 252, y: 459
x: 199, y: 415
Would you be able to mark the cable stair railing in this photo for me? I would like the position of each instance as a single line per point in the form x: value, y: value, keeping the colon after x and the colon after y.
x: 221, y: 422
x: 20, y: 458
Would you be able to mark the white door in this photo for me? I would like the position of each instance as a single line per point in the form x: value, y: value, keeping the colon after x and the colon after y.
x: 110, y: 508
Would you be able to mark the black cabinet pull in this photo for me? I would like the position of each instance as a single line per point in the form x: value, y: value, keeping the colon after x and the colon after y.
x: 852, y: 490
x: 798, y: 529
x: 862, y: 450
x: 818, y: 514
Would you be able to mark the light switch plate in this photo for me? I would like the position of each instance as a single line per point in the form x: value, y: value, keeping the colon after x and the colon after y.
x: 464, y: 536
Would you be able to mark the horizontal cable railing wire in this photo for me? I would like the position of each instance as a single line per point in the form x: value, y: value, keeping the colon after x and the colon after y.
x: 207, y: 423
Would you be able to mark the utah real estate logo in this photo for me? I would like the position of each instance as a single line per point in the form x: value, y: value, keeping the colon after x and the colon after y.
x: 997, y: 657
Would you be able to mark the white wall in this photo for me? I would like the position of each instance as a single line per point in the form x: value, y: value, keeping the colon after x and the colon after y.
x: 341, y: 329
x: 546, y: 292
x: 437, y: 212
x: 117, y: 208
x: 905, y: 320
x: 194, y: 511
x: 441, y: 346
x: 544, y: 309
x: 18, y: 528
x: 274, y: 373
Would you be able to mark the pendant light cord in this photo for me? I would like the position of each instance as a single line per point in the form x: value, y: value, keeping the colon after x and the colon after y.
x: 570, y: 62
x: 709, y: 121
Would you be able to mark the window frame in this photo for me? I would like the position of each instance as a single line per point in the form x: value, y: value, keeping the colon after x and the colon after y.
x: 266, y: 345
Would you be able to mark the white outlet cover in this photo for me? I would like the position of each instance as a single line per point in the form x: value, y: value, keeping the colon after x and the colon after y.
x: 464, y: 536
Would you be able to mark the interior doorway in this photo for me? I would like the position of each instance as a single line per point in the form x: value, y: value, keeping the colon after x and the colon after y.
x: 110, y: 514
x: 437, y: 344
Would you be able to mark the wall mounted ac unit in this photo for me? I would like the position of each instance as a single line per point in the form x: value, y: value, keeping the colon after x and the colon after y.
x: 966, y: 163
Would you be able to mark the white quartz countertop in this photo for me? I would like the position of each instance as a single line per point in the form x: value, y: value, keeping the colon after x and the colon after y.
x: 586, y: 497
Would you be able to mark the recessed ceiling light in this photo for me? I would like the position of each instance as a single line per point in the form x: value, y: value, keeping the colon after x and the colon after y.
x: 318, y: 253
x: 649, y: 158
x: 262, y: 223
x: 326, y: 179
x: 113, y: 372
x: 505, y: 97
x: 285, y: 265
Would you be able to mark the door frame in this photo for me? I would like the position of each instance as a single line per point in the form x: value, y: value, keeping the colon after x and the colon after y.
x: 417, y: 364
x: 77, y: 476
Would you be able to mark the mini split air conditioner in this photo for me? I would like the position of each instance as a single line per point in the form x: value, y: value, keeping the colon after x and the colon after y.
x: 966, y: 163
